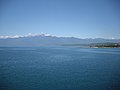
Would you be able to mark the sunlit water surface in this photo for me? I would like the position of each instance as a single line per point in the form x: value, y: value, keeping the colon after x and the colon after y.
x: 59, y: 68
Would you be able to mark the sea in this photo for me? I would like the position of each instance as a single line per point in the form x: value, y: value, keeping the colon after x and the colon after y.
x: 59, y: 68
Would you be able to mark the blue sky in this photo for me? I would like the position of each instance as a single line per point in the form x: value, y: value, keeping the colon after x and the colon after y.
x: 78, y: 18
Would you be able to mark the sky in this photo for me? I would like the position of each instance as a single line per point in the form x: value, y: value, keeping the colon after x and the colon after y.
x: 71, y: 18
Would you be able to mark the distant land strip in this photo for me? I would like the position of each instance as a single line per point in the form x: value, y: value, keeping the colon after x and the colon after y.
x: 96, y: 45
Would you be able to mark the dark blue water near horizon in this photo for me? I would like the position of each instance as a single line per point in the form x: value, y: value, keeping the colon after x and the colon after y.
x: 59, y: 68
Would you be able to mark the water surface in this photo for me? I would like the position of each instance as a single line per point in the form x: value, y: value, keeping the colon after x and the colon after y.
x: 59, y: 68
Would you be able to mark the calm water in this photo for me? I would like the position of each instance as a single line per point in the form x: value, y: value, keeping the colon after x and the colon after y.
x: 59, y: 68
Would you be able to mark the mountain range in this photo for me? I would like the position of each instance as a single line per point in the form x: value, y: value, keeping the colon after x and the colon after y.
x: 48, y: 40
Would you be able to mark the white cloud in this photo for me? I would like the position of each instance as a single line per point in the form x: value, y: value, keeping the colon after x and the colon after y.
x: 16, y: 36
x: 29, y: 35
x: 112, y: 38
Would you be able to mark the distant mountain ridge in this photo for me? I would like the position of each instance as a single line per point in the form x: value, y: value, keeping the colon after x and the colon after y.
x: 48, y: 40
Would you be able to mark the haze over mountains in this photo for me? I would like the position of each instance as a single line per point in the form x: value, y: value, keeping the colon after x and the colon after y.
x: 48, y: 40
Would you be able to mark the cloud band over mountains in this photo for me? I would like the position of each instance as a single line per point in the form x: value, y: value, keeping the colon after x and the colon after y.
x: 29, y: 35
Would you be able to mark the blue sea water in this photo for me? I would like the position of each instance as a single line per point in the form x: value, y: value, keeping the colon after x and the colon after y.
x: 59, y: 68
